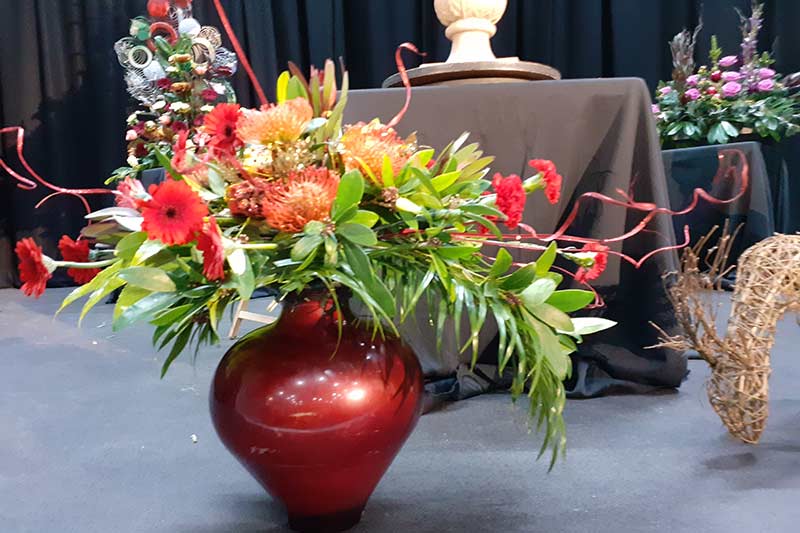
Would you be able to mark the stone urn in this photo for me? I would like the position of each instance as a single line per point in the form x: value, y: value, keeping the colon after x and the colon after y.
x: 470, y: 26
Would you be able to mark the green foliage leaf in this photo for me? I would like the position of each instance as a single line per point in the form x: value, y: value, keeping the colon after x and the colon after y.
x: 152, y: 279
x: 366, y: 218
x: 571, y: 300
x: 501, y: 263
x: 520, y: 279
x: 305, y: 246
x: 545, y: 260
x: 145, y: 309
x: 537, y: 293
x: 357, y: 233
x: 553, y: 317
x: 588, y: 325
x: 443, y: 181
x: 127, y: 246
x: 351, y: 189
x: 551, y: 350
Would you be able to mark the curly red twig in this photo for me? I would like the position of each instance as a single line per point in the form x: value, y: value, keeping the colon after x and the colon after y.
x: 401, y: 69
x: 28, y: 185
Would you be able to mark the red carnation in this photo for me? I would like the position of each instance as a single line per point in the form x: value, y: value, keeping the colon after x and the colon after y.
x: 220, y: 125
x: 510, y: 198
x: 551, y: 178
x: 584, y: 274
x: 209, y: 95
x: 164, y: 84
x: 174, y: 214
x: 209, y: 241
x: 32, y: 270
x: 77, y: 252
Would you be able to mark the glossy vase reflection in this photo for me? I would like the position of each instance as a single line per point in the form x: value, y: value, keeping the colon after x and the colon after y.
x: 316, y: 425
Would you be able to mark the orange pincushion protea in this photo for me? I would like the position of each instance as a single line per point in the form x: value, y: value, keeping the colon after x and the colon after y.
x: 304, y: 196
x: 367, y: 144
x: 284, y: 122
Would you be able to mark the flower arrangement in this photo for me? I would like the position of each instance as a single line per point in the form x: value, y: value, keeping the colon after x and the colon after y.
x: 736, y: 96
x: 286, y: 196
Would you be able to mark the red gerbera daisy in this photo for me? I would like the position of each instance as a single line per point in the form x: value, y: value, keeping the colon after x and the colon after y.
x: 220, y: 124
x: 77, y: 252
x: 510, y: 198
x: 551, y: 178
x: 209, y: 241
x: 600, y: 251
x: 32, y: 270
x: 174, y: 214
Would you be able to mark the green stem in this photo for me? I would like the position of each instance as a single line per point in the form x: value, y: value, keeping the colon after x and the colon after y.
x: 263, y: 246
x: 93, y: 264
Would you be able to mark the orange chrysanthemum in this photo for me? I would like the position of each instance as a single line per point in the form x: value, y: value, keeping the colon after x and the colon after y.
x: 367, y: 144
x: 284, y: 122
x: 304, y: 196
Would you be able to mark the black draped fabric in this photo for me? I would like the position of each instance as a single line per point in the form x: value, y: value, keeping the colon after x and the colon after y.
x: 59, y: 77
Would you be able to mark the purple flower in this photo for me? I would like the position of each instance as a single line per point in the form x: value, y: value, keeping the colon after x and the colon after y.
x: 765, y: 86
x: 693, y: 80
x: 731, y: 88
x: 665, y: 90
x: 728, y: 61
x: 692, y: 94
x: 655, y: 109
x: 732, y: 75
x: 766, y: 73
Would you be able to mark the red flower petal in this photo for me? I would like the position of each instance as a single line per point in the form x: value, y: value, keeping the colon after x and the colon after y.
x: 77, y: 252
x: 32, y: 271
x: 510, y: 198
x: 584, y: 275
x: 551, y: 178
x: 220, y: 124
x: 174, y: 214
x: 209, y: 241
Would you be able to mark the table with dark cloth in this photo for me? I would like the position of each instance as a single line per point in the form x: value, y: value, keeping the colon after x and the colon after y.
x: 762, y: 209
x: 601, y: 135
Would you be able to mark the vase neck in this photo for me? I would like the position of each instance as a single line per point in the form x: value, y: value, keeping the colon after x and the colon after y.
x: 314, y: 308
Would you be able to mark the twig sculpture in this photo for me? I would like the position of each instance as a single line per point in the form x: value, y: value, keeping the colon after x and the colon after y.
x: 767, y: 286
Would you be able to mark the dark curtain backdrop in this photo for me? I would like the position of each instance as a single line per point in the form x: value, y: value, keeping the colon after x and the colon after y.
x: 59, y: 77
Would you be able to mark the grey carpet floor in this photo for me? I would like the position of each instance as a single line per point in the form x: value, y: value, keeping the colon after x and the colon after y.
x: 92, y: 441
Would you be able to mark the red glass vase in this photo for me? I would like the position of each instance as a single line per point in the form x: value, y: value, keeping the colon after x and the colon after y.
x: 316, y: 417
